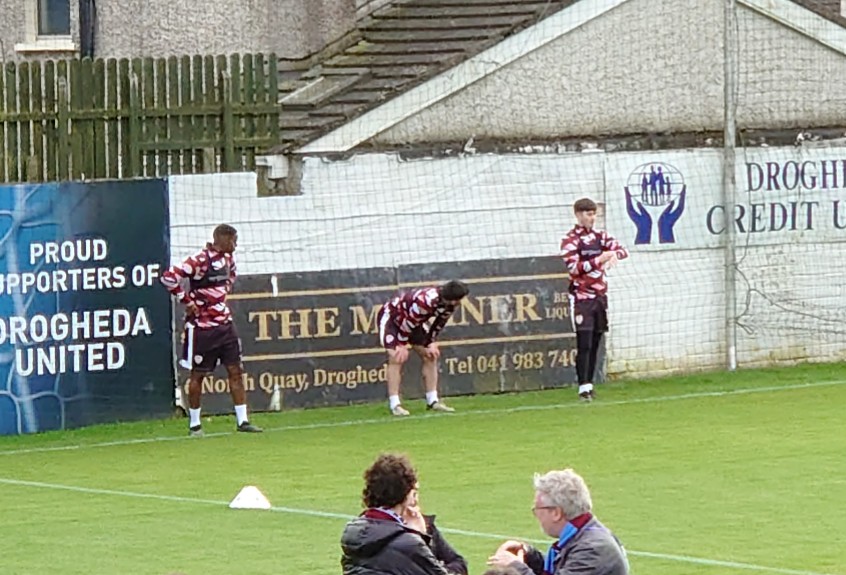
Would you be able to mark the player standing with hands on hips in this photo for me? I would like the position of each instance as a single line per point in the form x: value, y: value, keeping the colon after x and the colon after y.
x: 210, y: 336
x: 588, y: 253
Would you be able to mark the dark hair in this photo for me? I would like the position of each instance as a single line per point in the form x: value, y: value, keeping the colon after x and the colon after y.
x: 454, y: 290
x: 388, y: 481
x: 224, y: 230
x: 584, y: 205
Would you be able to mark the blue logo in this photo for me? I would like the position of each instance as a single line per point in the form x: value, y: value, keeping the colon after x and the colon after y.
x: 659, y: 189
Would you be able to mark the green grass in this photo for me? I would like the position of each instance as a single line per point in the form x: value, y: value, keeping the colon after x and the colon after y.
x: 753, y: 477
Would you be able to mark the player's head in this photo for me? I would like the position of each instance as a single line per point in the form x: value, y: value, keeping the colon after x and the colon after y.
x: 225, y: 238
x: 585, y: 210
x: 453, y: 291
x: 389, y: 482
x: 559, y: 497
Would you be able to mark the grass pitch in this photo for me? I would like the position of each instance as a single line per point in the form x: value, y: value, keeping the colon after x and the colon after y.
x: 717, y: 474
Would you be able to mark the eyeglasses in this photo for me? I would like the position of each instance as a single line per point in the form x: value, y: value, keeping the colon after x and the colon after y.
x: 537, y: 507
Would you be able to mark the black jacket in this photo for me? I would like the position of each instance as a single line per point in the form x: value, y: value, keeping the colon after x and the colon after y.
x: 380, y: 546
x: 443, y: 551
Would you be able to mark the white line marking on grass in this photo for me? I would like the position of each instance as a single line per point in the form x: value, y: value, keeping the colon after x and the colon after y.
x: 718, y: 563
x: 649, y: 554
x: 395, y: 420
x: 345, y: 517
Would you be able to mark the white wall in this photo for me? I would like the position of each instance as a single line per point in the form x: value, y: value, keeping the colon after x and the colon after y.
x: 379, y: 211
x: 667, y: 300
x: 667, y: 313
x: 790, y: 299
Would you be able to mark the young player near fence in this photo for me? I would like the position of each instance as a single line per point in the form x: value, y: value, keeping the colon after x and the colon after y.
x: 210, y: 336
x: 415, y: 318
x: 588, y: 253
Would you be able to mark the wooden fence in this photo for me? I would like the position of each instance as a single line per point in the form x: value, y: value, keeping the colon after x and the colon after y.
x: 144, y: 117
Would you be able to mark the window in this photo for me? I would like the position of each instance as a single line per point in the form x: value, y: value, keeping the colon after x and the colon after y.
x: 48, y: 27
x: 54, y: 17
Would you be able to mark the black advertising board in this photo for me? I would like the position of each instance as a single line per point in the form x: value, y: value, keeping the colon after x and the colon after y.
x: 314, y: 335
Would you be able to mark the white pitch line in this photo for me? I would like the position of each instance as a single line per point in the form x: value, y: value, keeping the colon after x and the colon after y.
x: 394, y: 420
x: 649, y: 554
x: 345, y: 517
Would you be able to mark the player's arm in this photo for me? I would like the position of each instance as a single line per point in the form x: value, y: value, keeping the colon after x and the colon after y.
x: 610, y: 244
x: 173, y: 276
x: 232, y: 272
x: 574, y: 262
x: 438, y: 324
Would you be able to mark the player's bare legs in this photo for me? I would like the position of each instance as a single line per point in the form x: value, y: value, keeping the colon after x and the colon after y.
x: 239, y: 397
x: 430, y: 356
x: 429, y: 369
x: 236, y: 384
x: 195, y: 389
x: 396, y: 359
x: 195, y: 393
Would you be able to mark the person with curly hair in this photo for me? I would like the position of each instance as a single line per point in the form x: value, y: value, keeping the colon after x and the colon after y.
x: 390, y: 536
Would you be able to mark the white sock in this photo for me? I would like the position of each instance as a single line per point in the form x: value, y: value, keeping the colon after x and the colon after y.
x: 241, y: 413
x: 585, y: 388
x: 194, y: 414
x: 393, y: 401
x: 431, y: 397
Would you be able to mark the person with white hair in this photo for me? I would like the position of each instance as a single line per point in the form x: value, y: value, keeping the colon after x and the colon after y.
x: 584, y: 546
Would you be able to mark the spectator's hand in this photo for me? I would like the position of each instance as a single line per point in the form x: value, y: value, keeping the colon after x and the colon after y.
x: 505, y: 557
x: 414, y: 518
x: 432, y: 351
x: 399, y: 354
x: 514, y: 547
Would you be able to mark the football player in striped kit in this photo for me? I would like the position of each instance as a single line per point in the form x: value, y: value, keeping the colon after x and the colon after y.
x: 210, y: 336
x: 415, y: 318
x: 588, y: 253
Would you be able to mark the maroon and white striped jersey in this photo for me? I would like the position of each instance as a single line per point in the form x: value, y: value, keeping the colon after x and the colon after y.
x: 579, y: 249
x: 210, y: 276
x: 415, y: 308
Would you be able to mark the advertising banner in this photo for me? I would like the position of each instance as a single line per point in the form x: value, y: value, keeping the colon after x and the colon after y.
x: 313, y: 336
x: 85, y: 326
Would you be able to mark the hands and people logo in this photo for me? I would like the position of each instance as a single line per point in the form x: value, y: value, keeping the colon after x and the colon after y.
x: 655, y: 189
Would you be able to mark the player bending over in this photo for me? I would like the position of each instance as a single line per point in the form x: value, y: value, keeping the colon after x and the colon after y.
x: 403, y: 321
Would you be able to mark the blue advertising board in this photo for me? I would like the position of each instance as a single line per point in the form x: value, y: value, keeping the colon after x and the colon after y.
x: 85, y: 326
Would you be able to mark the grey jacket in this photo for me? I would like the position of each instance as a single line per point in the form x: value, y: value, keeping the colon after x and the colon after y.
x: 592, y: 551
